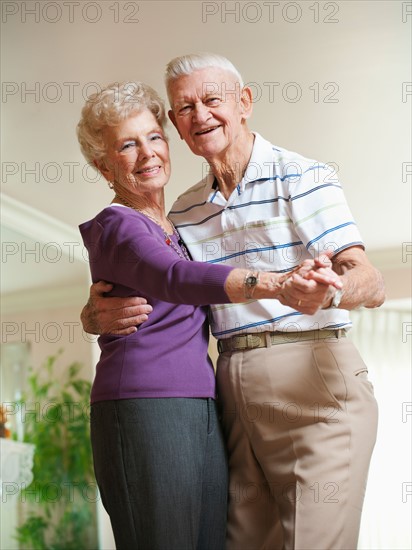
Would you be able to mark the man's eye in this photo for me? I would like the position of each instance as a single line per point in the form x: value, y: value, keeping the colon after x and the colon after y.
x: 185, y: 109
x: 213, y: 100
x: 154, y: 137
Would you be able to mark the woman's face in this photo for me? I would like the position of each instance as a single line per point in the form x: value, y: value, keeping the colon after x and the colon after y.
x: 137, y: 155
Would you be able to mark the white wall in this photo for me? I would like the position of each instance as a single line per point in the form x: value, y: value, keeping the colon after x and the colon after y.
x: 347, y: 64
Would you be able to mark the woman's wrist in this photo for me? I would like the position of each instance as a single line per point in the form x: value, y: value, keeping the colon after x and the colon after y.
x: 250, y: 282
x: 242, y: 285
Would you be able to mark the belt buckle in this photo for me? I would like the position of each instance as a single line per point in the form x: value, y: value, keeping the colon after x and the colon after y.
x: 246, y: 341
x: 253, y: 340
x: 240, y: 342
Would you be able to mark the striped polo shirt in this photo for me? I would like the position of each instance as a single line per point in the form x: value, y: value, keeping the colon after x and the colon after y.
x: 286, y: 208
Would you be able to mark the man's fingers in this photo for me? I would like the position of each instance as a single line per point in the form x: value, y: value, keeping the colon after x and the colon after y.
x: 327, y: 254
x: 325, y: 258
x: 326, y: 277
x: 126, y: 324
x: 303, y: 284
x: 124, y: 332
x: 314, y: 288
x: 124, y: 307
x: 308, y: 294
x: 124, y: 327
x: 99, y: 288
x: 136, y: 301
x: 299, y: 305
x: 133, y: 312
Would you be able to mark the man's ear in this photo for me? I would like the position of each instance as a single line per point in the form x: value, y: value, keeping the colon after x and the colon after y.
x: 173, y: 120
x: 246, y: 102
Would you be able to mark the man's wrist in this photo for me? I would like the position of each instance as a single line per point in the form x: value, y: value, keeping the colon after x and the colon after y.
x: 336, y: 300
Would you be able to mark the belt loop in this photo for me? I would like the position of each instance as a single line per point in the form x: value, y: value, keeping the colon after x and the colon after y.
x: 268, y: 339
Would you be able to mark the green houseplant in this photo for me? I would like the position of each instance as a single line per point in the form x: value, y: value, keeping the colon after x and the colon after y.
x: 60, y: 504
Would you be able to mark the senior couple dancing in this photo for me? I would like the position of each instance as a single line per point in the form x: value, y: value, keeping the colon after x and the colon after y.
x: 272, y: 258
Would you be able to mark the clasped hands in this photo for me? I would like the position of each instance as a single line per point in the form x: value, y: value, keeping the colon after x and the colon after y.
x: 310, y: 286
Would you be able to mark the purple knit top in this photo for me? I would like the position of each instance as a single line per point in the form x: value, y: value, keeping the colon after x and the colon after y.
x: 167, y: 356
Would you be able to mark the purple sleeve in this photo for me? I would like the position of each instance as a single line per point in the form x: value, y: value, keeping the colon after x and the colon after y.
x: 126, y: 249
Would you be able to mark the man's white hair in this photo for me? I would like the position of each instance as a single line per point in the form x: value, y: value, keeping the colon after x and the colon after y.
x: 187, y: 64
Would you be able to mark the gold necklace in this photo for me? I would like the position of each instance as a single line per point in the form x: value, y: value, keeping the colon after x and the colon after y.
x: 180, y: 250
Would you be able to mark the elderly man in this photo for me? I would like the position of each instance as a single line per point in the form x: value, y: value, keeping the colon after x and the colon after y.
x: 298, y: 411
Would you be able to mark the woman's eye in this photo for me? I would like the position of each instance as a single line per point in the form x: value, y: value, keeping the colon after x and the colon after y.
x: 155, y: 137
x: 127, y: 145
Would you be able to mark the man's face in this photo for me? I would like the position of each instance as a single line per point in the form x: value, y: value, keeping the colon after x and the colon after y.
x: 209, y: 110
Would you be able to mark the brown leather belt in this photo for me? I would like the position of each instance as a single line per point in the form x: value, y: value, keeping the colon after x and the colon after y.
x: 267, y: 339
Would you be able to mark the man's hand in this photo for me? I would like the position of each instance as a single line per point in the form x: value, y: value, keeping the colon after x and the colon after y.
x: 311, y: 286
x: 307, y: 288
x: 111, y: 315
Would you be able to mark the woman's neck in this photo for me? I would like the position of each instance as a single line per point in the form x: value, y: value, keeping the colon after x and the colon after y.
x: 152, y: 205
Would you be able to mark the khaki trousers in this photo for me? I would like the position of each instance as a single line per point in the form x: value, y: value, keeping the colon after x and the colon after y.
x: 300, y: 421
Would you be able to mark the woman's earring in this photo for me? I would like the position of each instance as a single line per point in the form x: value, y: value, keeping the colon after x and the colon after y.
x: 110, y: 184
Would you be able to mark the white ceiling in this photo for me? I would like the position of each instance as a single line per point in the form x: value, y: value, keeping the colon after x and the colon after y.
x: 350, y: 61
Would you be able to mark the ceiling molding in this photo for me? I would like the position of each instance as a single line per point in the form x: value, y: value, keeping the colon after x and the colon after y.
x: 39, y: 226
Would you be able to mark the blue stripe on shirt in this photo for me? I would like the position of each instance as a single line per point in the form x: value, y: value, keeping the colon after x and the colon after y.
x: 336, y: 228
x: 257, y: 324
x: 334, y: 326
x: 313, y: 190
x: 253, y: 251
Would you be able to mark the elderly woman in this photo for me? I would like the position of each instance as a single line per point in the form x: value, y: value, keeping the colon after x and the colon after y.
x: 158, y: 452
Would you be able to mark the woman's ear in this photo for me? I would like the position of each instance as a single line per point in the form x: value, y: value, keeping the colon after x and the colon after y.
x: 100, y: 165
x: 108, y: 175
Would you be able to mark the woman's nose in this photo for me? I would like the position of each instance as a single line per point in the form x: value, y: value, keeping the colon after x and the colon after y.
x: 146, y: 150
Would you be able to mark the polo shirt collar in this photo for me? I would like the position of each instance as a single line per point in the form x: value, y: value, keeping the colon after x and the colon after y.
x: 259, y: 167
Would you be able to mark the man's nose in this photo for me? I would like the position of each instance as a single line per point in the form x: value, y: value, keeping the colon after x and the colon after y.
x: 201, y: 113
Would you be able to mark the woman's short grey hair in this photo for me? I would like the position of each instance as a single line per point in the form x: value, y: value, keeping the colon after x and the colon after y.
x: 187, y: 64
x: 109, y: 107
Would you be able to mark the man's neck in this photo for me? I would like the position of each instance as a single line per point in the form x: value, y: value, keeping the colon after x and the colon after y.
x: 230, y: 169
